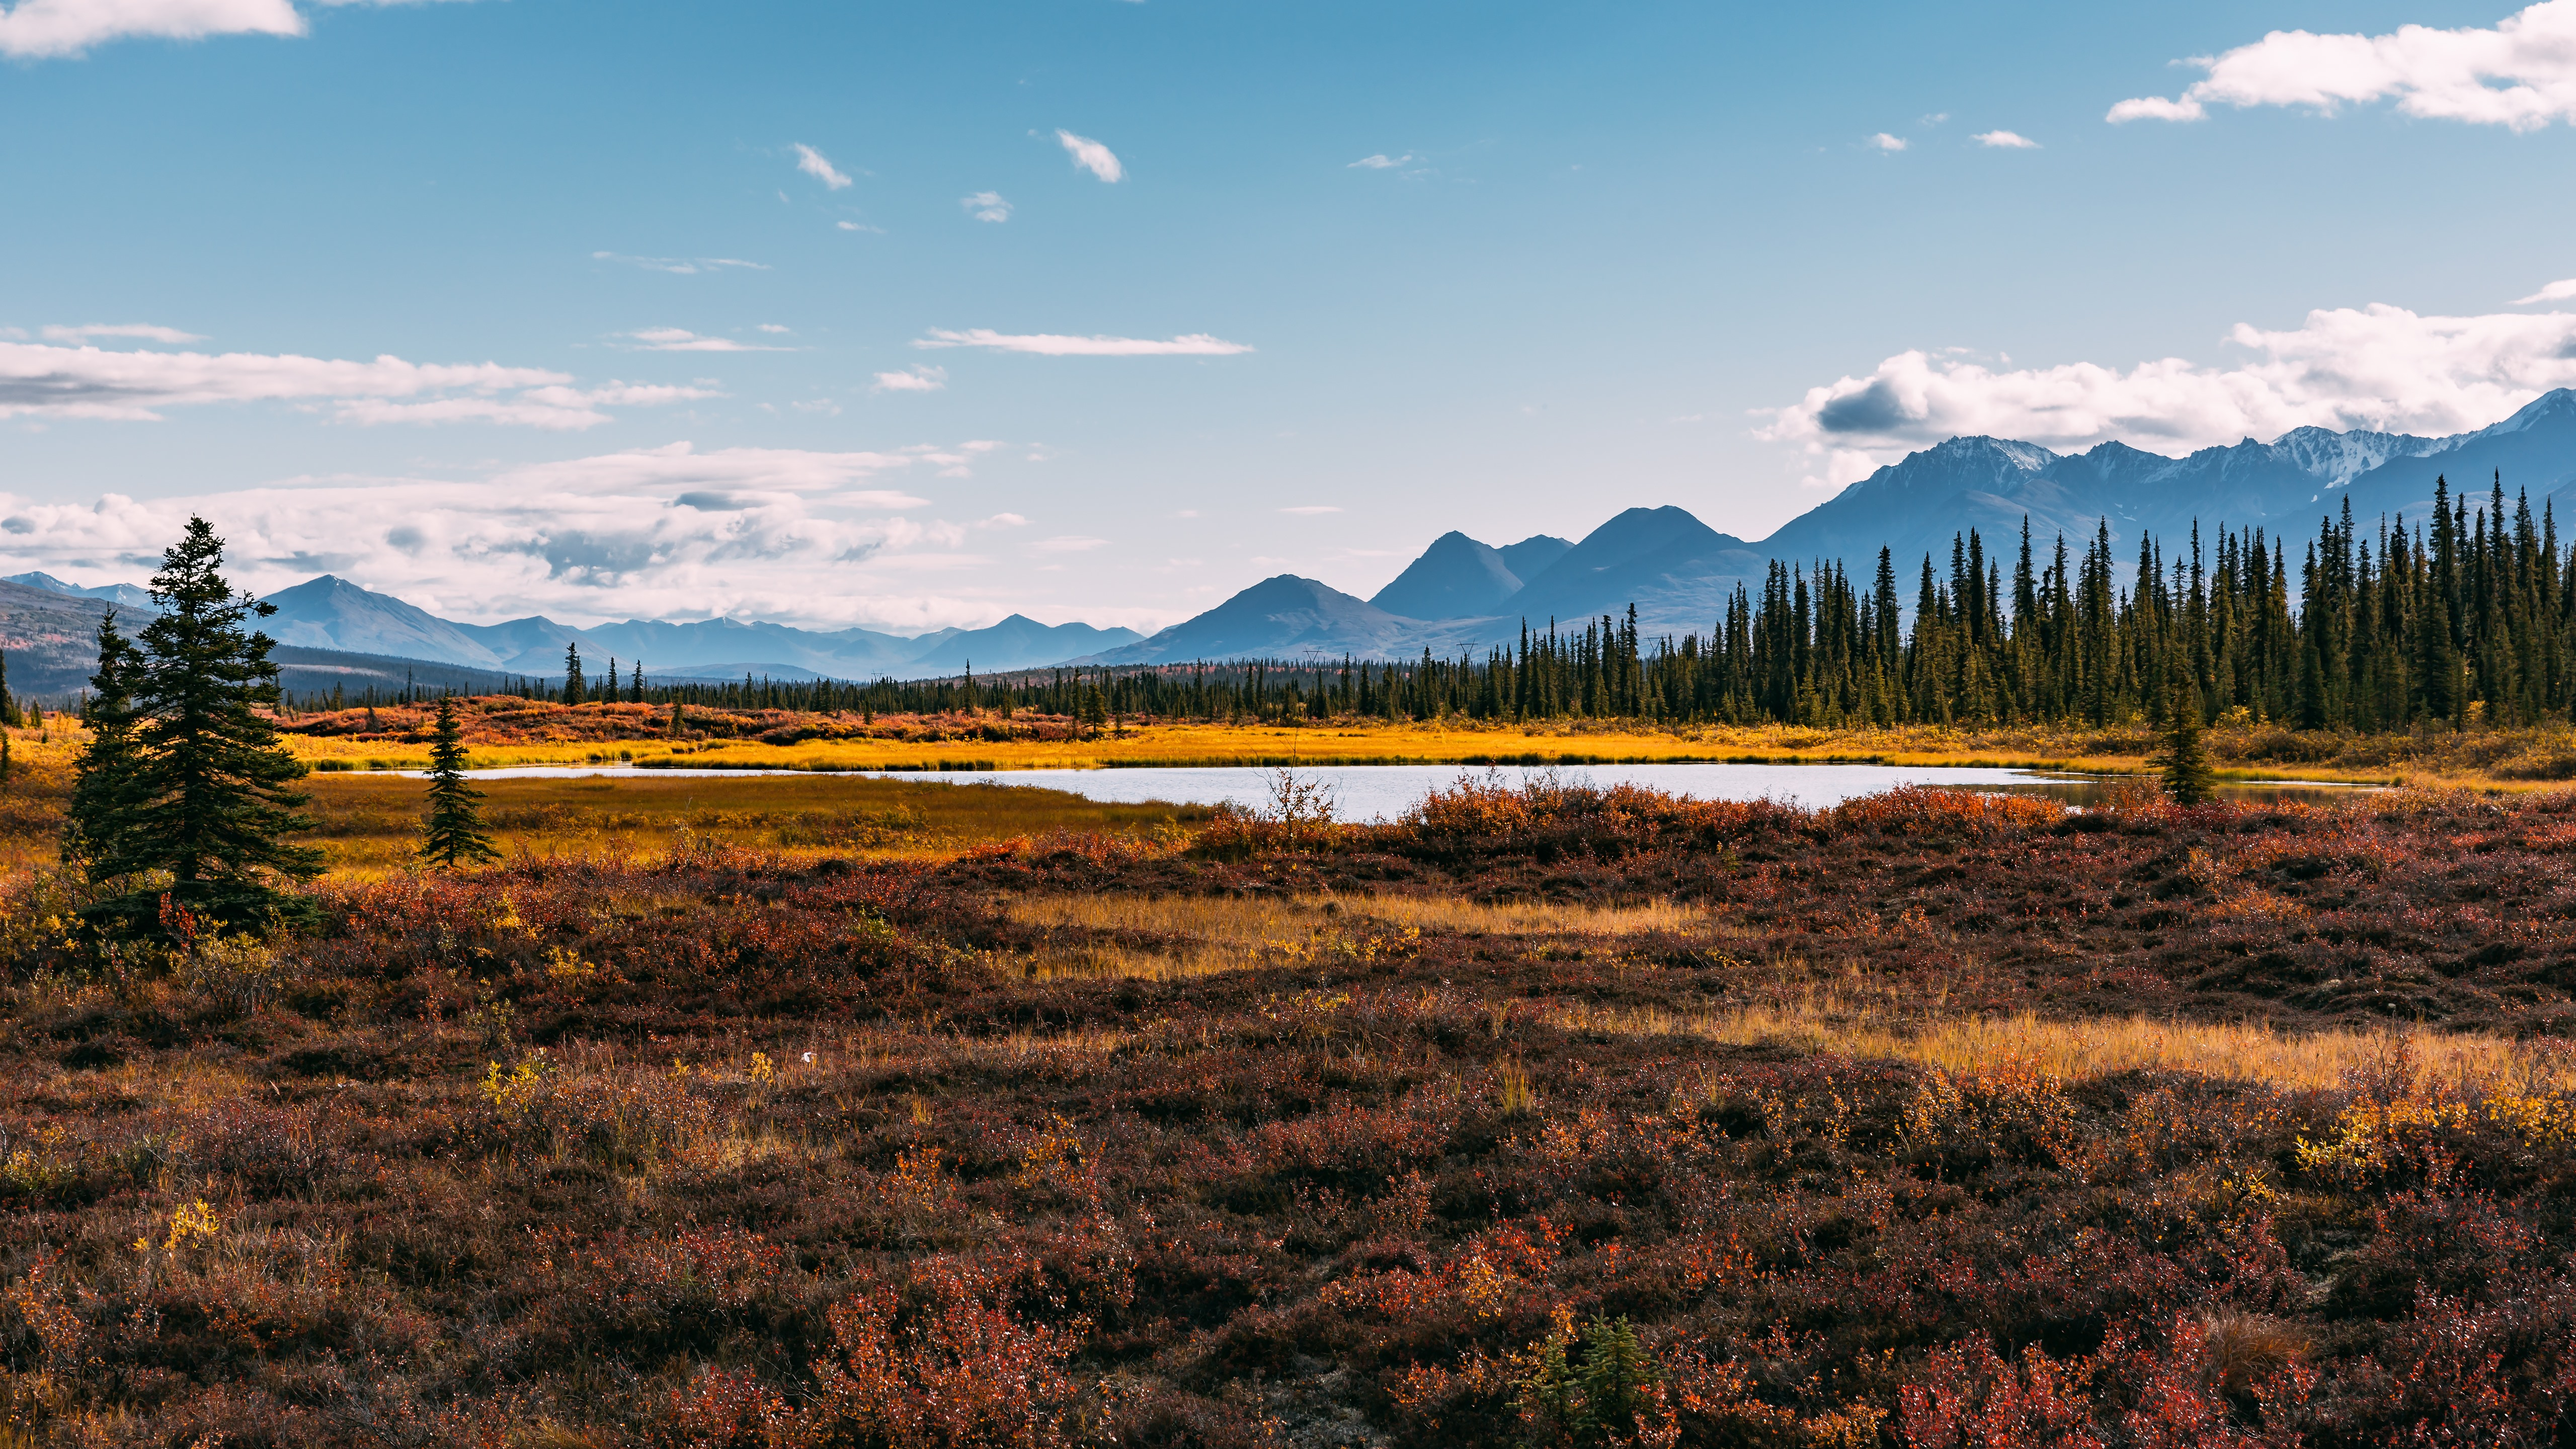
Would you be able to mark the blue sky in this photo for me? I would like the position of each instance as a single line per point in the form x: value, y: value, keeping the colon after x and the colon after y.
x: 1726, y: 257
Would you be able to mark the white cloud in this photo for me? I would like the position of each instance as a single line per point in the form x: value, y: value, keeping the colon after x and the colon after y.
x: 682, y: 266
x: 821, y: 538
x: 88, y: 382
x: 1885, y: 142
x: 140, y: 331
x: 1047, y: 344
x: 1002, y: 520
x: 772, y: 327
x: 815, y: 164
x: 1091, y: 156
x: 859, y: 226
x: 1311, y: 509
x: 1379, y: 162
x: 2521, y: 74
x: 987, y: 206
x: 2378, y: 367
x: 913, y: 379
x: 37, y: 29
x: 2554, y: 292
x: 680, y: 339
x: 2005, y: 140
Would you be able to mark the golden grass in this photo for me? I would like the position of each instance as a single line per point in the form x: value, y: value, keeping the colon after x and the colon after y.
x: 2091, y: 1047
x: 1207, y: 935
x: 2494, y: 758
x: 370, y: 824
x: 1438, y: 742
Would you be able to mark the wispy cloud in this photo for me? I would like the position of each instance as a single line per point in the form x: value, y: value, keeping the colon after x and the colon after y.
x: 680, y: 339
x: 1379, y: 162
x: 2005, y: 140
x: 682, y: 266
x: 2554, y: 292
x: 2521, y: 74
x: 88, y: 382
x: 815, y: 164
x: 772, y: 327
x: 1311, y: 508
x: 140, y: 331
x: 1067, y: 543
x: 911, y: 379
x: 859, y: 226
x: 2377, y: 367
x: 987, y: 206
x: 1048, y: 344
x: 1885, y: 142
x: 825, y: 538
x: 1091, y: 156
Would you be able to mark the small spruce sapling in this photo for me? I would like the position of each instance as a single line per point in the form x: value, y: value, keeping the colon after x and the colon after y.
x: 453, y: 834
x: 2189, y: 780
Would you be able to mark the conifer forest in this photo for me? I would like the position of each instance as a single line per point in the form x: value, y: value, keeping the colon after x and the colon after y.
x: 2469, y: 614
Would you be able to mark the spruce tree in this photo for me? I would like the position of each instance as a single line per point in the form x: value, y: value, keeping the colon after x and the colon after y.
x: 212, y: 800
x: 2188, y: 777
x: 9, y: 715
x: 453, y: 833
x: 573, y: 691
x: 106, y: 784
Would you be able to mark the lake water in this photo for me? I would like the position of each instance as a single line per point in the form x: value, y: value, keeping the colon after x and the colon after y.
x: 1380, y: 792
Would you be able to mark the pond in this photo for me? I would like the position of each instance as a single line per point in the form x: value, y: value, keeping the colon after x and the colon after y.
x: 1381, y: 792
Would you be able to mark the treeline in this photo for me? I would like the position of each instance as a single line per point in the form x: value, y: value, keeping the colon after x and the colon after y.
x: 2467, y: 616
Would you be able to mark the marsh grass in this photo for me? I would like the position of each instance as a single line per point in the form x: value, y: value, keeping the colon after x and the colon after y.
x: 519, y: 733
x: 1174, y: 937
x: 370, y: 824
x: 2086, y: 1048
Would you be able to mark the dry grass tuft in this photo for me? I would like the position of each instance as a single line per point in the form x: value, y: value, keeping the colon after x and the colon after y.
x: 2094, y: 1046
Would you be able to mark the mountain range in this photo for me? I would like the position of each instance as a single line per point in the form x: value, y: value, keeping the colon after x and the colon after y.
x: 1463, y: 594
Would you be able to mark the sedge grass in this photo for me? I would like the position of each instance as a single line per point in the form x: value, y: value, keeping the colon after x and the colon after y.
x: 1207, y: 935
x: 2091, y: 1047
x: 370, y: 824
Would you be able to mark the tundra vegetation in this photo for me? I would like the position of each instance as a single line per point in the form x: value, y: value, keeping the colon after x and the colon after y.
x: 1547, y: 1116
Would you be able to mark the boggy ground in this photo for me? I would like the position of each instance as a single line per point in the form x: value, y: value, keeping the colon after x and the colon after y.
x: 504, y: 730
x: 1552, y: 1118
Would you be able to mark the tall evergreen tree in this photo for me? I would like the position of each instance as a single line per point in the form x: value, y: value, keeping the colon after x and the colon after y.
x: 453, y: 834
x: 212, y: 799
x: 9, y: 715
x: 573, y: 690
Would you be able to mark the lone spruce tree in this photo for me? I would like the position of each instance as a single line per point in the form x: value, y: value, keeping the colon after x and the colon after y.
x: 2188, y: 777
x: 107, y: 784
x: 453, y: 833
x: 212, y: 798
x: 9, y: 715
x: 572, y: 674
